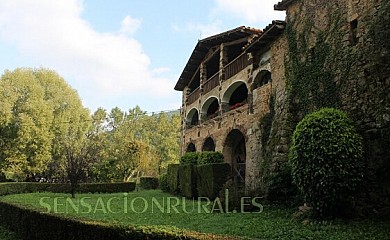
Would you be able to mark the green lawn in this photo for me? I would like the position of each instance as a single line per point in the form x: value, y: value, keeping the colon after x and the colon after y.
x: 272, y: 223
x: 5, y: 234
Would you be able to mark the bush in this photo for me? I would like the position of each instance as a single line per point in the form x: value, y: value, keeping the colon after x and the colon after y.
x: 163, y: 182
x: 189, y: 158
x: 187, y: 179
x: 149, y: 182
x: 211, y: 177
x: 173, y: 178
x: 326, y: 160
x: 209, y: 157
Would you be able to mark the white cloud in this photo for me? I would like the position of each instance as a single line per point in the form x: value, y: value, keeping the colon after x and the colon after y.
x: 102, y: 65
x: 253, y: 11
x: 130, y: 25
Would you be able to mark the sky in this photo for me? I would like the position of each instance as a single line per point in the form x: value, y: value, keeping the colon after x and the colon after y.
x: 119, y: 53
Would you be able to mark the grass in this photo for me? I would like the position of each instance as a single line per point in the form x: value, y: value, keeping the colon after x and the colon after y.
x: 272, y: 223
x: 5, y: 234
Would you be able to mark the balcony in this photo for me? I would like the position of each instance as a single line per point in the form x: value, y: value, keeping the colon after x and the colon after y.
x: 193, y: 96
x: 211, y: 83
x: 236, y: 66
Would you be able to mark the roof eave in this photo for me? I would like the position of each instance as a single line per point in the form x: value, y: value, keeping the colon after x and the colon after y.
x: 283, y: 5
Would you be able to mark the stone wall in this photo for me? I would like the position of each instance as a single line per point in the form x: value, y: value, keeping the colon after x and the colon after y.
x: 338, y: 55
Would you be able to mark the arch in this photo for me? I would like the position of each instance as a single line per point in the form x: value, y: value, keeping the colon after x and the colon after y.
x: 191, y: 147
x: 234, y: 151
x: 208, y: 145
x: 192, y: 118
x: 210, y: 107
x: 236, y: 95
x: 262, y: 78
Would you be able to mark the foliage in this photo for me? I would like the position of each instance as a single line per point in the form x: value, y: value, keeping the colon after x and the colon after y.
x: 25, y: 121
x: 189, y: 158
x: 149, y: 182
x: 311, y: 67
x: 211, y: 177
x: 201, y: 157
x: 46, y: 131
x: 326, y: 159
x: 163, y: 182
x: 137, y: 143
x: 209, y: 157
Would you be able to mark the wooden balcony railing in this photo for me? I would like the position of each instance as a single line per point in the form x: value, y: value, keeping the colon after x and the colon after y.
x: 236, y: 66
x: 193, y: 96
x: 211, y: 83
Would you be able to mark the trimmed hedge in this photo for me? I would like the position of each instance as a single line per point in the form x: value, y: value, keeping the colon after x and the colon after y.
x: 187, y: 179
x: 24, y: 187
x: 189, y: 158
x: 149, y: 182
x: 211, y: 178
x: 327, y: 164
x: 173, y: 178
x: 34, y: 225
x: 163, y: 182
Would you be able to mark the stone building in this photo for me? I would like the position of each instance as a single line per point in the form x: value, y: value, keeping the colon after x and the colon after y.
x: 245, y: 90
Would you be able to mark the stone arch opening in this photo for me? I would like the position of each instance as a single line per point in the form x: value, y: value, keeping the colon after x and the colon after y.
x: 208, y: 145
x: 235, y: 96
x: 262, y: 78
x: 191, y: 147
x: 192, y: 117
x: 210, y: 108
x: 234, y: 151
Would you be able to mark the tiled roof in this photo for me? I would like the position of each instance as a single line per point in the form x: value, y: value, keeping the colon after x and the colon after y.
x: 203, y: 46
x: 272, y: 31
x: 282, y: 5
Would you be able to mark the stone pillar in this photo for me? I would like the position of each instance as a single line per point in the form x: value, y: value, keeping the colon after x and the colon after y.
x: 223, y: 60
x: 203, y: 75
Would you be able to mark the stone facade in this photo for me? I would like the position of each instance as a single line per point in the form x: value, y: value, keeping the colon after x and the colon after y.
x: 330, y: 54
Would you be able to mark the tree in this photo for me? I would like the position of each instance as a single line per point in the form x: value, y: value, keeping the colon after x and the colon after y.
x: 25, y: 120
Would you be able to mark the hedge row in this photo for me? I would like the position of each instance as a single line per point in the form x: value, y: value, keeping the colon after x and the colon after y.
x: 173, y: 178
x: 34, y: 225
x: 149, y: 182
x: 191, y: 180
x: 24, y: 187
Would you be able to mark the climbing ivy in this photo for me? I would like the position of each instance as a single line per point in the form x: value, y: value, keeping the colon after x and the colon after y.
x: 310, y: 68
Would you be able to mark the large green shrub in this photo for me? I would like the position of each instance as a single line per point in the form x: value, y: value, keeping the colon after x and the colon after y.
x: 326, y: 160
x: 210, y: 157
